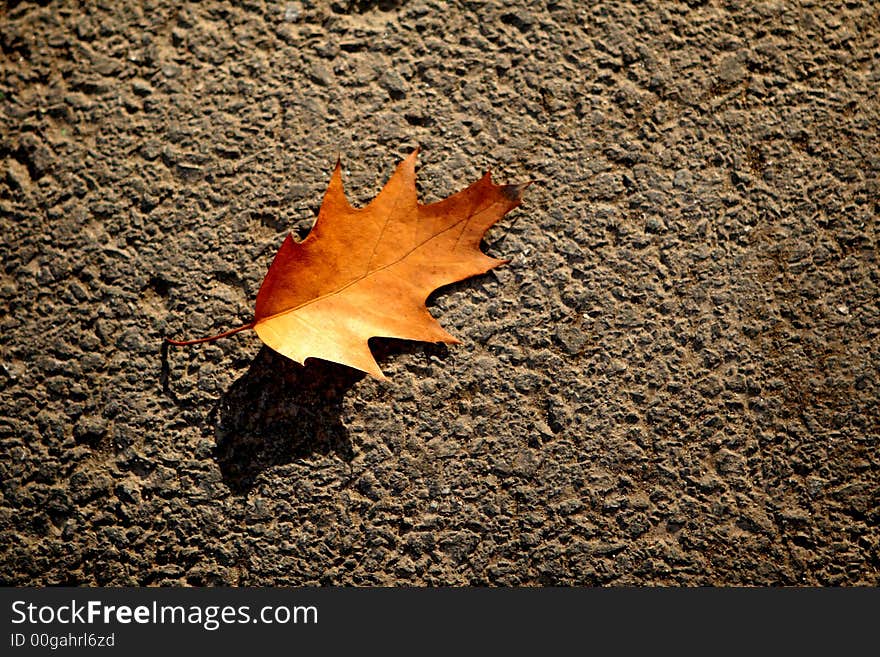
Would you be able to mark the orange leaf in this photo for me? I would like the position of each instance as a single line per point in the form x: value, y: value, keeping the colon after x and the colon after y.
x: 367, y: 272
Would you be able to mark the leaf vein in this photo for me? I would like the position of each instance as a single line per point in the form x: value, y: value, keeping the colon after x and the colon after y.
x: 369, y: 273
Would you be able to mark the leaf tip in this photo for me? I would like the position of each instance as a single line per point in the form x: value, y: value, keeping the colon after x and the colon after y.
x: 412, y: 157
x: 373, y: 370
x: 513, y: 193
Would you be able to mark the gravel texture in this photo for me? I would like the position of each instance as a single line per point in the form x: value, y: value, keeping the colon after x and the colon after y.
x: 674, y: 381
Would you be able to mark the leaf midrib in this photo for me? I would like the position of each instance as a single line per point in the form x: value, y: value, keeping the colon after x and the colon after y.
x: 371, y: 272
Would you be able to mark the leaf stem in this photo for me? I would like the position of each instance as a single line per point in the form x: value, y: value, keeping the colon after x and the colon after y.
x: 185, y: 343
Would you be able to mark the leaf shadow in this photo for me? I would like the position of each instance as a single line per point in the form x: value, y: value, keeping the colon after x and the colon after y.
x: 280, y: 411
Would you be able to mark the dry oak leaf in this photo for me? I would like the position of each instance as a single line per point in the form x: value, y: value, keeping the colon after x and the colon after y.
x: 363, y: 273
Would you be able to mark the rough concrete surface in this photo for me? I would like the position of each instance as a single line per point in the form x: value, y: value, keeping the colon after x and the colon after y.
x: 674, y: 381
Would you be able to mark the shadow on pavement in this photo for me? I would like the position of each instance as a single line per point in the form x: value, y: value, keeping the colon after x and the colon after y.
x: 280, y: 411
